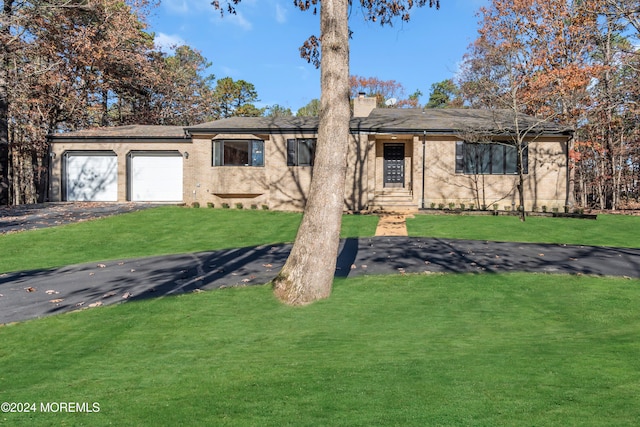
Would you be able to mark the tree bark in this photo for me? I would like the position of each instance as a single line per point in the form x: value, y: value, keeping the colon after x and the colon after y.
x: 308, y: 274
x: 5, y: 33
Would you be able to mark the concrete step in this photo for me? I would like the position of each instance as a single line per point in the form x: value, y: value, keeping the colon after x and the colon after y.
x: 393, y: 201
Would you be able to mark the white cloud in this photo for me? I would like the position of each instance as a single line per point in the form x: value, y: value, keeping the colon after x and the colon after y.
x: 303, y: 72
x: 177, y: 6
x: 227, y: 71
x: 281, y: 14
x: 167, y: 42
x: 239, y: 20
x: 188, y: 7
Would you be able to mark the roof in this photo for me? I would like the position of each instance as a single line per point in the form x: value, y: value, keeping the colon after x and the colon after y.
x: 258, y: 125
x: 127, y: 132
x: 381, y: 120
x: 445, y: 120
x: 393, y: 120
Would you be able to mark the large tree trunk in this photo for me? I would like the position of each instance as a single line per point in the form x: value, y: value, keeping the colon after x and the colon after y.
x: 308, y: 273
x: 4, y: 149
x: 5, y: 33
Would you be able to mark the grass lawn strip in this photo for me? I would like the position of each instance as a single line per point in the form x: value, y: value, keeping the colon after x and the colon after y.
x: 395, y: 350
x: 607, y: 230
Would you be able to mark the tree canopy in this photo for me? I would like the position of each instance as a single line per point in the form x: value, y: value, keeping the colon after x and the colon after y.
x: 444, y: 94
x: 572, y: 62
x: 388, y: 93
x: 70, y: 65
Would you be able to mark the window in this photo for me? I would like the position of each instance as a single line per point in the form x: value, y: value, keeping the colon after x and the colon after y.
x: 489, y: 158
x: 301, y: 151
x: 238, y: 152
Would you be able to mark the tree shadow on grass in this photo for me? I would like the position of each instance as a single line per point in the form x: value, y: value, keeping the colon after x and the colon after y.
x: 40, y: 293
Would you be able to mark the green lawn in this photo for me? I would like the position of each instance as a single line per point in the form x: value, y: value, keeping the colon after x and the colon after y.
x: 158, y: 231
x: 607, y: 230
x: 483, y: 350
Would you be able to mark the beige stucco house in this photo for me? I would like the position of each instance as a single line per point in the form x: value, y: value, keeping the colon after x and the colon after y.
x: 398, y: 159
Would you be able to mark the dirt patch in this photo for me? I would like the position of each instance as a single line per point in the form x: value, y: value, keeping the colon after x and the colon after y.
x: 394, y: 224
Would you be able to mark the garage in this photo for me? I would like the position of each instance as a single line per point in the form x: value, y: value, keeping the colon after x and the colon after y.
x: 91, y: 176
x: 155, y: 176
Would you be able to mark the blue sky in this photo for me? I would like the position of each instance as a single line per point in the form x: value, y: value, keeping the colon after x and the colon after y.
x: 261, y: 45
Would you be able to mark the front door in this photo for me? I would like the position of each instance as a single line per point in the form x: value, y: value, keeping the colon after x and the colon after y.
x: 394, y: 165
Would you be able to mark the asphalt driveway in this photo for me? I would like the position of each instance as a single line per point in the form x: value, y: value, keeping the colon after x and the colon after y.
x: 30, y: 217
x: 32, y: 294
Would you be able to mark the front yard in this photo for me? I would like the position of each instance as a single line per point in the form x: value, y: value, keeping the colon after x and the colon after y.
x: 486, y: 350
x: 415, y: 350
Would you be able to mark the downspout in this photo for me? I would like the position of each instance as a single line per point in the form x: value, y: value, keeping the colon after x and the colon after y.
x: 424, y: 137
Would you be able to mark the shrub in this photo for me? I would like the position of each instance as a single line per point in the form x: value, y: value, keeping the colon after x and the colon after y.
x: 265, y: 207
x: 210, y: 205
x: 195, y: 204
x: 433, y: 205
x: 225, y: 206
x: 441, y: 206
x: 452, y: 206
x: 254, y: 207
x: 239, y: 206
x: 544, y: 208
x: 462, y: 206
x: 472, y: 207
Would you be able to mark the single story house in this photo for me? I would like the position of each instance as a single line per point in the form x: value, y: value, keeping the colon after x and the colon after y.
x: 399, y: 159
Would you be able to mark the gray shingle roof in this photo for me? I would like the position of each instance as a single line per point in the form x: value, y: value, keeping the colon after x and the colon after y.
x: 131, y: 131
x: 257, y: 125
x: 388, y: 120
x: 381, y: 120
x: 393, y: 120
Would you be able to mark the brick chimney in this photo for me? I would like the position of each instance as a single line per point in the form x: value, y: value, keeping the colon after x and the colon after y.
x: 363, y: 106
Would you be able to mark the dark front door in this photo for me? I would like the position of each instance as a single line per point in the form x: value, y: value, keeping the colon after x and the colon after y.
x: 394, y: 165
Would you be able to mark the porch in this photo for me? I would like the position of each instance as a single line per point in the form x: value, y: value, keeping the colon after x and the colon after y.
x: 394, y: 175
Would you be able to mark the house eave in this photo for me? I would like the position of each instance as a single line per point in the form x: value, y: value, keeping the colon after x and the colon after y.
x: 103, y: 138
x: 252, y: 131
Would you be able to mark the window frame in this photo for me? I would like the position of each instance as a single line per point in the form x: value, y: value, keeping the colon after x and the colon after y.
x: 468, y: 161
x: 293, y: 151
x: 255, y: 152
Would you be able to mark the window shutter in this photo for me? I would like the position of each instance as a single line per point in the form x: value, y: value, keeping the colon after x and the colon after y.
x: 459, y: 156
x: 292, y: 154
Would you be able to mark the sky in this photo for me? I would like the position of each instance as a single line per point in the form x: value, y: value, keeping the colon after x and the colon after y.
x: 260, y: 45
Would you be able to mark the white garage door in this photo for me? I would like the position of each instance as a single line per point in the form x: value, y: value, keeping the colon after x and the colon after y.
x: 156, y: 177
x: 91, y: 177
